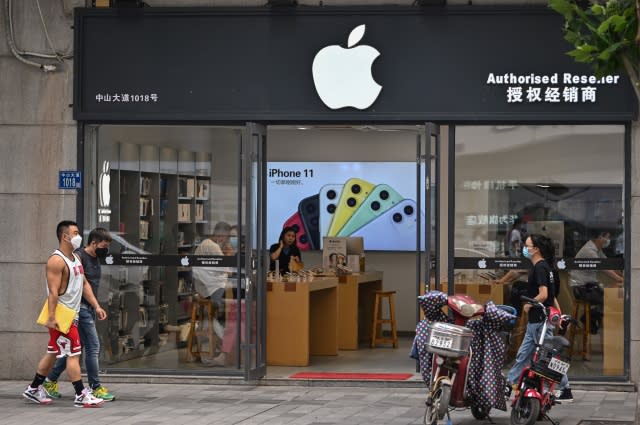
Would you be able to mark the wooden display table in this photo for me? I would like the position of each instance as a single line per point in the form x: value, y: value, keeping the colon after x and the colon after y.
x: 356, y: 295
x: 613, y: 331
x: 302, y: 319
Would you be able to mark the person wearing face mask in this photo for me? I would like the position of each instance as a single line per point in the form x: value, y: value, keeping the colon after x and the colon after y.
x: 585, y: 284
x: 594, y: 249
x: 66, y: 285
x: 543, y: 284
x: 96, y: 249
x: 233, y: 238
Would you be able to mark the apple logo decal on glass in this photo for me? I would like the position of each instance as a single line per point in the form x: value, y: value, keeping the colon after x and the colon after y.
x: 561, y: 264
x: 109, y: 259
x: 342, y: 77
x: 184, y: 261
x: 482, y: 264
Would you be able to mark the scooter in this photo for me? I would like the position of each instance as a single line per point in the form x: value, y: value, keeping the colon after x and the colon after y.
x: 450, y: 346
x: 535, y: 393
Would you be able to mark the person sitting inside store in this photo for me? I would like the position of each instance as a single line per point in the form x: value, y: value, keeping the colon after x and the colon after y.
x: 285, y: 251
x: 585, y: 284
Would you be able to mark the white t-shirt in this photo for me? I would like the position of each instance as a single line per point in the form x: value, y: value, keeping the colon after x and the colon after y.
x: 515, y: 243
x: 209, y: 279
x: 588, y: 250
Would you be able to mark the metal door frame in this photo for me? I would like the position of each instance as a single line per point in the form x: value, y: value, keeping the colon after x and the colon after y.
x: 253, y: 167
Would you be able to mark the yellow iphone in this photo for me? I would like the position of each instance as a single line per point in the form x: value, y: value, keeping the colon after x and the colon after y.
x: 354, y: 192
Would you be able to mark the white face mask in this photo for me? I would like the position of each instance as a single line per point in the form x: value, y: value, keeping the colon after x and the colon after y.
x: 76, y: 241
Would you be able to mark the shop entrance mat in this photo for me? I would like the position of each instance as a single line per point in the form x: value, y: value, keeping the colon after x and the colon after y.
x: 603, y: 422
x: 352, y: 376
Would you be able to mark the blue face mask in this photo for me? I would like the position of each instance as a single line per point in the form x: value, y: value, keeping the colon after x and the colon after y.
x: 233, y: 240
x: 525, y: 252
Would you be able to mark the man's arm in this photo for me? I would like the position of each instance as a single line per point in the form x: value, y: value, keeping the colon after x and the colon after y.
x: 87, y: 293
x: 615, y: 275
x: 55, y: 267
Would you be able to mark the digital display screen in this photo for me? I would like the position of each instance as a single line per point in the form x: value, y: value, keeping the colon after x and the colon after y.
x: 373, y: 200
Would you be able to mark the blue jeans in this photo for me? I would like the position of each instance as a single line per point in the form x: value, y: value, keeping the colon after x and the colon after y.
x: 525, y: 352
x: 90, y: 348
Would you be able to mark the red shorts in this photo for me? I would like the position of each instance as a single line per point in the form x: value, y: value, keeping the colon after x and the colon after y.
x: 65, y: 345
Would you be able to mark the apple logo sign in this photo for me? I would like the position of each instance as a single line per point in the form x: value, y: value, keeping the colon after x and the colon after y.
x: 561, y: 264
x: 343, y: 76
x: 184, y: 261
x: 482, y: 263
x: 109, y: 259
x: 103, y: 185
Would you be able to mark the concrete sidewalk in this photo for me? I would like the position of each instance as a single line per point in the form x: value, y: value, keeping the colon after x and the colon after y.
x: 195, y: 404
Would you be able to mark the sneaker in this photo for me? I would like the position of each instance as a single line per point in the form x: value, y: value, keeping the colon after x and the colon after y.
x: 507, y: 390
x: 36, y: 395
x: 86, y: 399
x: 51, y: 387
x: 103, y: 393
x: 565, y: 396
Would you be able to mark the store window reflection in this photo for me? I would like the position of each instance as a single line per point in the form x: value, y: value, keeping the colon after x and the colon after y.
x: 564, y: 182
x: 167, y: 195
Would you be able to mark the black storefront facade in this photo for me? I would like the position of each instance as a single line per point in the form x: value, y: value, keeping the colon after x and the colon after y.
x: 154, y: 86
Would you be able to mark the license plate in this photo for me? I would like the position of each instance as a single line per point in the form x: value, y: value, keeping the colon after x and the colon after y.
x: 441, y: 341
x: 558, y: 366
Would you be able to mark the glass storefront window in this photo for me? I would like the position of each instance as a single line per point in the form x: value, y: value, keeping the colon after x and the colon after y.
x: 169, y: 197
x: 564, y: 182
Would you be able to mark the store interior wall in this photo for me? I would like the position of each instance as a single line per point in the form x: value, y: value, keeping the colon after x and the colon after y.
x: 366, y: 143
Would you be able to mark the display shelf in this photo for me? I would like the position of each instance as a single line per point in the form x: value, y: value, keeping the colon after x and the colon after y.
x: 159, y: 203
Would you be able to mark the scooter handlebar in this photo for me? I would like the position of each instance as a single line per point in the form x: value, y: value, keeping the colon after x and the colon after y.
x: 529, y: 300
x: 532, y: 301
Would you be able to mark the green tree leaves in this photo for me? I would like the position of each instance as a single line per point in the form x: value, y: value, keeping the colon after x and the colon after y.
x: 603, y: 34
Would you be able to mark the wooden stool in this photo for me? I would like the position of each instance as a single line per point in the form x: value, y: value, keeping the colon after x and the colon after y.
x: 390, y: 296
x: 202, y: 310
x: 585, y: 331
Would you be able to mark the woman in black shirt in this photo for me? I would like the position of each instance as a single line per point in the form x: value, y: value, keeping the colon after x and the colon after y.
x: 543, y: 286
x: 284, y: 250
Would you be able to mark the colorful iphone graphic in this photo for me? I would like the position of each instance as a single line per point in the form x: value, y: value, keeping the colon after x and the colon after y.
x: 354, y: 192
x: 328, y: 202
x: 381, y: 198
x: 302, y: 239
x: 395, y: 228
x: 309, y: 209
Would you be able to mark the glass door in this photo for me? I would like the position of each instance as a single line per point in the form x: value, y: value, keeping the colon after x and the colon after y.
x: 255, y: 264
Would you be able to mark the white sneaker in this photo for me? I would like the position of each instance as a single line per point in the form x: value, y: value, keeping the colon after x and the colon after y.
x: 36, y: 395
x: 86, y: 399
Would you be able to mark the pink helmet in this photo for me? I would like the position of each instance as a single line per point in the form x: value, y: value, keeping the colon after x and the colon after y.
x: 555, y: 316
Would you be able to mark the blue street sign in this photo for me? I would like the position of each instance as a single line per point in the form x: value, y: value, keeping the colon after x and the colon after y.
x: 70, y: 179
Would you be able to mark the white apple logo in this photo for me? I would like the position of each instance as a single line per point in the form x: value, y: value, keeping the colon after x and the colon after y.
x: 482, y: 263
x: 343, y: 76
x: 184, y: 261
x: 103, y: 185
x: 109, y: 259
x: 561, y: 264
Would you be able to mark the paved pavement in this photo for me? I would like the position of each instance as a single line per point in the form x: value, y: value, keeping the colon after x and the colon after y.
x: 195, y: 404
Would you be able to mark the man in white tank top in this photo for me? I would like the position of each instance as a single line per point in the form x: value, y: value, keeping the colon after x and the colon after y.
x: 67, y: 285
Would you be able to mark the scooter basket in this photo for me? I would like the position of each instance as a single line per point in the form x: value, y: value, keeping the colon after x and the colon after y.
x: 448, y: 340
x: 547, y: 353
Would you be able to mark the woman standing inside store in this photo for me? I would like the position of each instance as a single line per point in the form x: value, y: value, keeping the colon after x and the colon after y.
x: 284, y: 251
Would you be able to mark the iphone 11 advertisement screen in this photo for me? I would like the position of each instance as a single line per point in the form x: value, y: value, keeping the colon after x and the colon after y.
x: 374, y: 200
